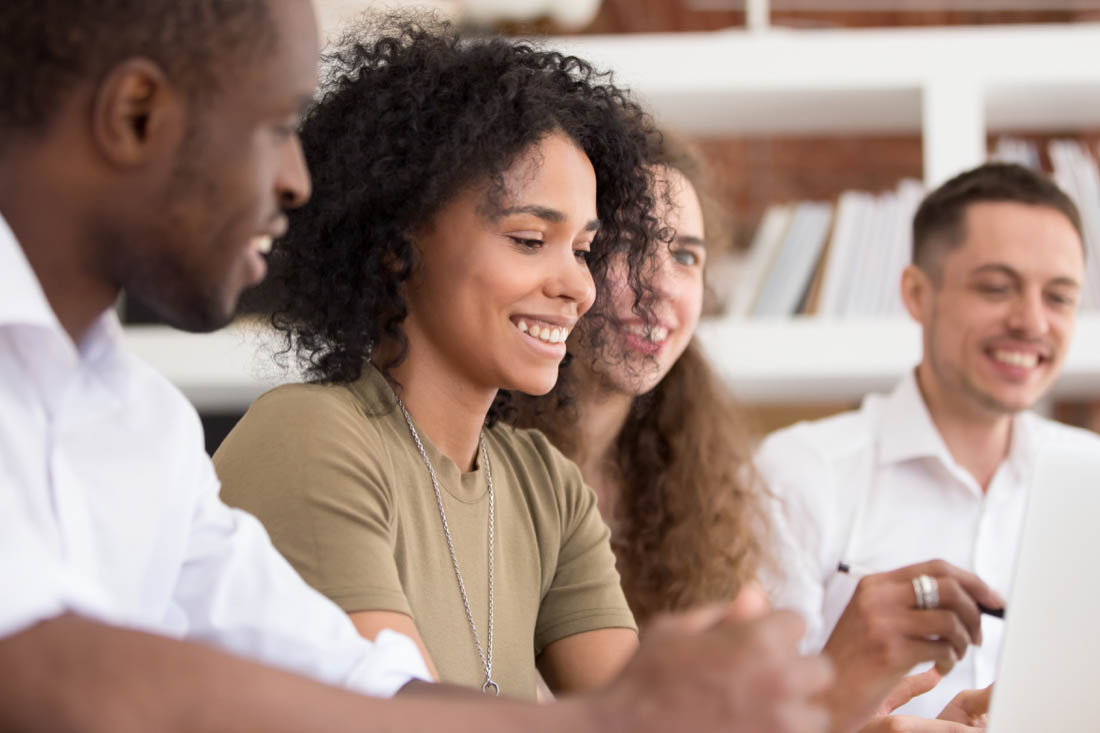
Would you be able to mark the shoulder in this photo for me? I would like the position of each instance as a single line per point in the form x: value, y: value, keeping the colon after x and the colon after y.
x: 310, y: 435
x: 1053, y: 433
x: 307, y: 402
x: 531, y: 450
x: 155, y: 403
x: 548, y: 481
x: 826, y: 441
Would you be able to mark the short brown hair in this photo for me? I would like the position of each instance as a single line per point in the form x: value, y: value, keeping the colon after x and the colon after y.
x: 939, y: 224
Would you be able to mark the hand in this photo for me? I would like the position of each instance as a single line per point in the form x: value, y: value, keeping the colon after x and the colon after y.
x: 970, y: 707
x: 909, y: 687
x: 707, y: 671
x: 909, y: 724
x: 966, y: 713
x: 882, y: 634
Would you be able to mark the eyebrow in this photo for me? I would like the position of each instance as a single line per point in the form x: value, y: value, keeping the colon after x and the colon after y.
x: 547, y: 214
x: 1063, y: 280
x: 691, y: 240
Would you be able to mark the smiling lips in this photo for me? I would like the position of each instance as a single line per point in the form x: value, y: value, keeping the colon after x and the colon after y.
x: 655, y: 335
x: 541, y: 330
x: 1024, y: 359
x: 261, y: 243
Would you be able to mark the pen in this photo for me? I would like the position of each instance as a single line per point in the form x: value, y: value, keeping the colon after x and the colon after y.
x: 857, y: 571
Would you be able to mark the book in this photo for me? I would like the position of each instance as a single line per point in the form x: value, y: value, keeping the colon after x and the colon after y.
x: 789, y: 277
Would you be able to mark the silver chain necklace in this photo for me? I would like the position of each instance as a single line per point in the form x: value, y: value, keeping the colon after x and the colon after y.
x: 486, y: 657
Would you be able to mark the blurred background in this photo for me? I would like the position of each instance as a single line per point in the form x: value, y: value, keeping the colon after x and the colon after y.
x: 824, y: 122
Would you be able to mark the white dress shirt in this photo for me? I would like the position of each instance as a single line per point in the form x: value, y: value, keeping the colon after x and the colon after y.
x: 877, y: 488
x: 109, y: 508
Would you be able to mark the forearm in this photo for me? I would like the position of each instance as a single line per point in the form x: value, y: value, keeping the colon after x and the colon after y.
x: 71, y: 674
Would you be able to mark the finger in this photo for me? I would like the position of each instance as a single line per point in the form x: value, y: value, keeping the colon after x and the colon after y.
x: 800, y: 718
x: 974, y: 704
x: 777, y: 629
x: 974, y: 585
x: 910, y: 687
x: 693, y: 620
x: 752, y: 602
x: 939, y: 624
x: 957, y: 598
x: 808, y: 677
x: 953, y: 598
x: 910, y: 724
x: 940, y: 653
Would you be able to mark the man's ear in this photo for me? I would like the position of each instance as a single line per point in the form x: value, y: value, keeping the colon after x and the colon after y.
x: 916, y: 291
x: 137, y: 114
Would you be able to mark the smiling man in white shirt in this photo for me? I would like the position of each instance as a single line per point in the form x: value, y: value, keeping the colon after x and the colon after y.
x: 941, y: 467
x: 151, y: 146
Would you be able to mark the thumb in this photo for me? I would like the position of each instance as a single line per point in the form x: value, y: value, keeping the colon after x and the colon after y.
x: 692, y: 620
x: 975, y: 703
x: 750, y: 603
x: 908, y: 688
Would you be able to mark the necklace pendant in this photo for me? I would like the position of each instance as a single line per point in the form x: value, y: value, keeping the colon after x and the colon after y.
x: 490, y: 686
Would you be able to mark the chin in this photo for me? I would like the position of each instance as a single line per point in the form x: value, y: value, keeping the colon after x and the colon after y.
x: 534, y: 385
x: 199, y: 316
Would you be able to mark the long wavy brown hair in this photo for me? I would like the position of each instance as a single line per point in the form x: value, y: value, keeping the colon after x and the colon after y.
x: 690, y: 524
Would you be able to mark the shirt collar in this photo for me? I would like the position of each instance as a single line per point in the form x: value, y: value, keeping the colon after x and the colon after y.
x: 906, y: 426
x: 908, y: 432
x: 24, y: 303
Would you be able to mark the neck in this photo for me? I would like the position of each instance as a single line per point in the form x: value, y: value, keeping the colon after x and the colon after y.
x: 43, y: 212
x: 602, y: 414
x: 447, y: 408
x: 978, y: 439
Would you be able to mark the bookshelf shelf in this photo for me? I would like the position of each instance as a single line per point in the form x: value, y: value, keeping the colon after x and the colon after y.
x: 795, y: 360
x: 952, y: 85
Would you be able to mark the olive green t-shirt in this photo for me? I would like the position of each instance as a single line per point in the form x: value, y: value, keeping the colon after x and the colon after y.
x: 334, y: 475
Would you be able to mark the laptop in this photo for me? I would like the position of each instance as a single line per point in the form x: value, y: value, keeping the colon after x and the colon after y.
x: 1049, y: 676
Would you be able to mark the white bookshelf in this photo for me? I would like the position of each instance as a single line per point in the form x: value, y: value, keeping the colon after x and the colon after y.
x: 775, y: 361
x: 950, y: 85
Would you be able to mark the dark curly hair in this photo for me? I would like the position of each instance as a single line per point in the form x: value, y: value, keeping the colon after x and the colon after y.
x: 49, y: 46
x: 411, y: 114
x: 690, y: 524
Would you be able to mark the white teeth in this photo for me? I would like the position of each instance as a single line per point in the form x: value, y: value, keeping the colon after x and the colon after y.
x: 657, y: 335
x: 1017, y: 358
x: 547, y: 333
x: 262, y: 243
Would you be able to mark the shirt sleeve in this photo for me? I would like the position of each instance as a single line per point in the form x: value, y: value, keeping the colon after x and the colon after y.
x: 239, y: 594
x: 35, y: 584
x: 800, y: 481
x: 585, y: 593
x: 306, y: 464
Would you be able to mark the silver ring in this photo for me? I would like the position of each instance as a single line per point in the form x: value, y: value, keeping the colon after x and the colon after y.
x: 927, y: 591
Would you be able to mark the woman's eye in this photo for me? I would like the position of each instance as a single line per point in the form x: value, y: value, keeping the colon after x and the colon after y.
x: 525, y: 242
x: 583, y: 255
x: 685, y: 257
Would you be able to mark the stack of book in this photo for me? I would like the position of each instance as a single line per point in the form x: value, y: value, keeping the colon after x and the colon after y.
x: 845, y: 259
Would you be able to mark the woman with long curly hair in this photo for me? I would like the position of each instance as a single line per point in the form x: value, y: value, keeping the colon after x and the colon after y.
x: 468, y: 197
x: 652, y: 428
